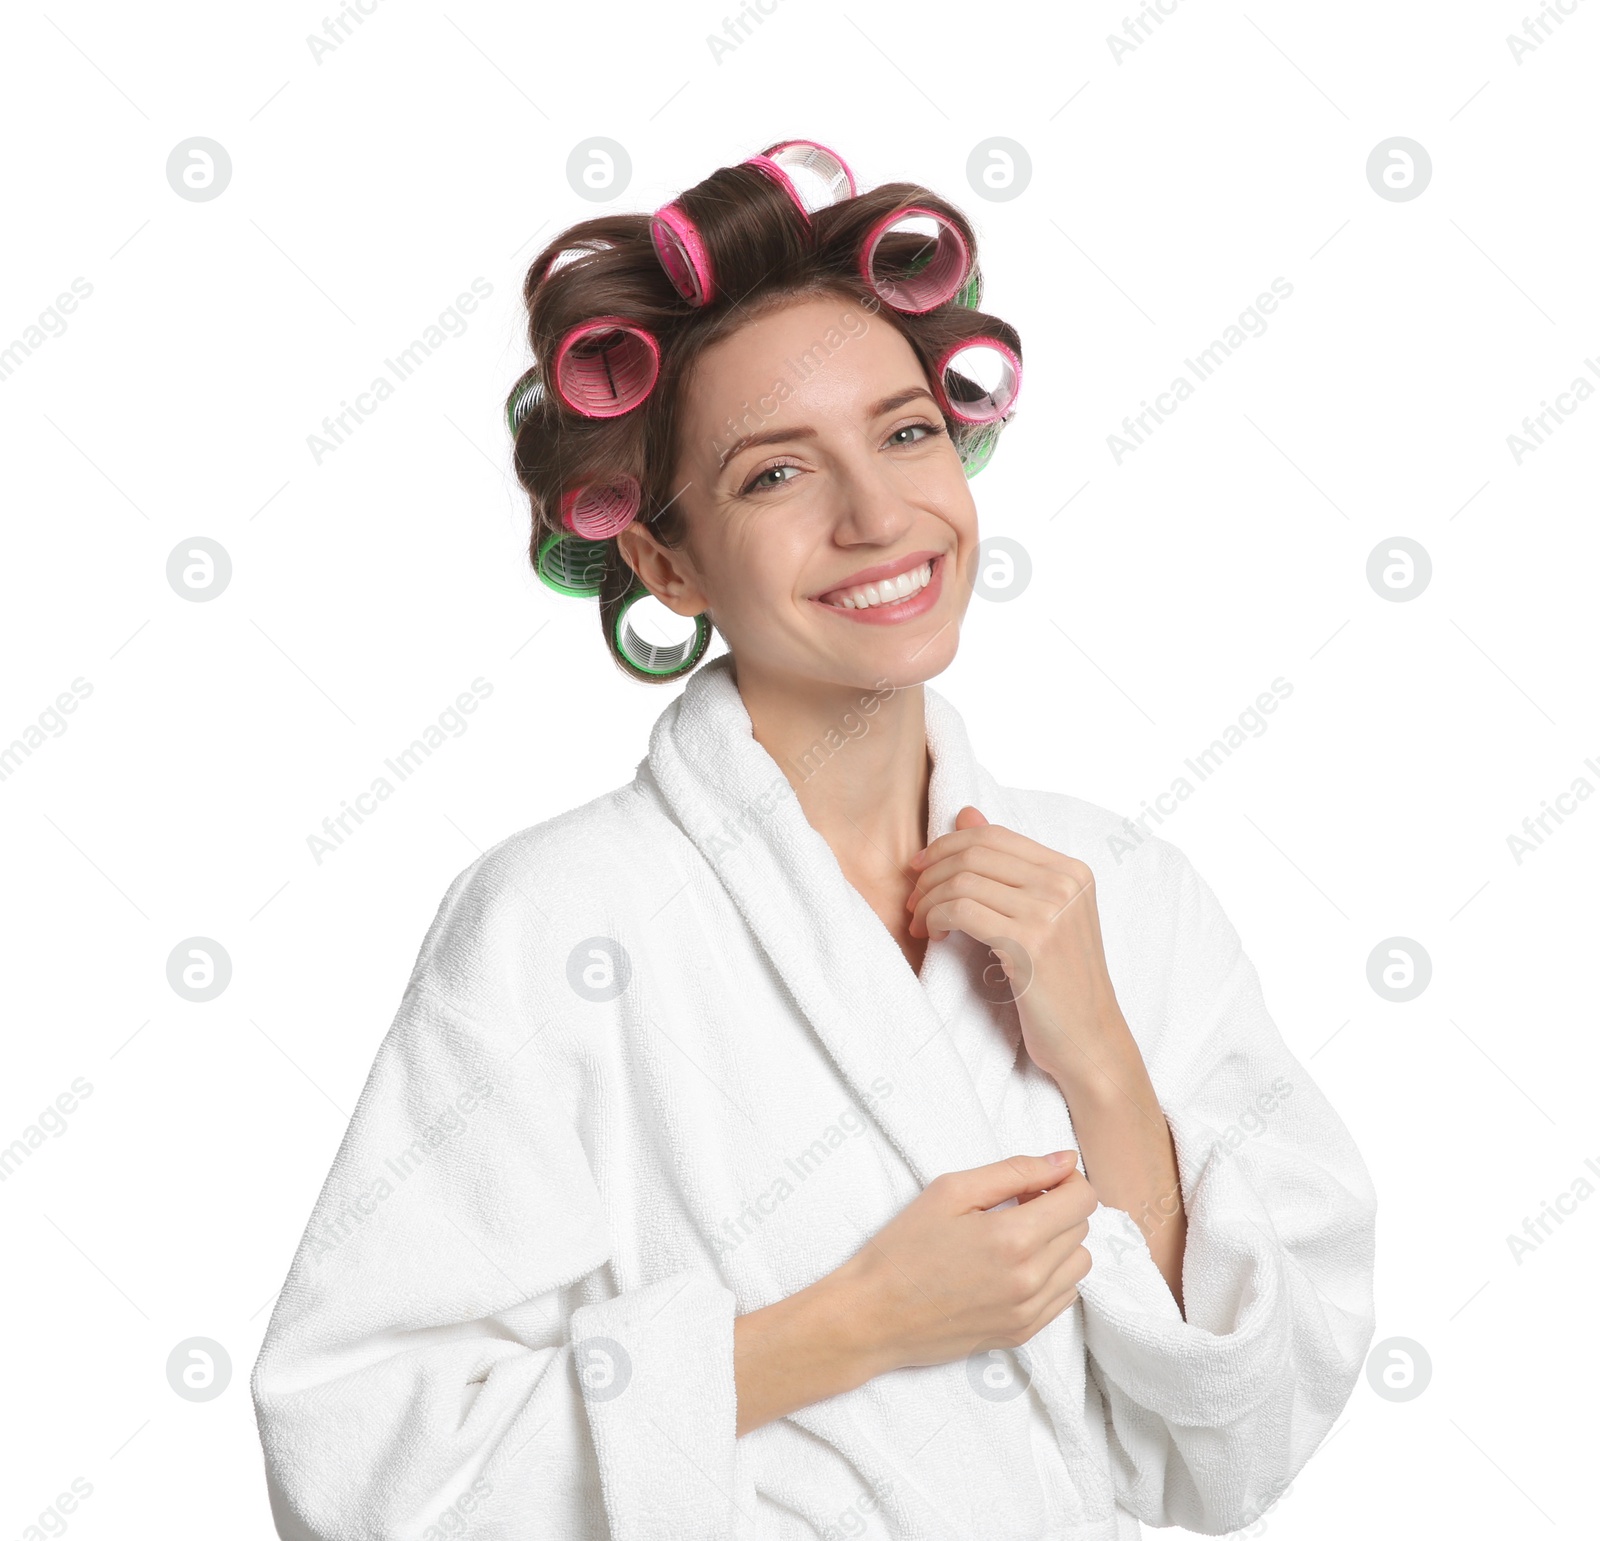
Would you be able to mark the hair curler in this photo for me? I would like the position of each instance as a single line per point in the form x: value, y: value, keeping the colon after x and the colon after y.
x: 978, y: 380
x: 912, y: 270
x: 597, y: 511
x: 683, y: 254
x: 793, y: 163
x: 658, y: 657
x: 979, y: 449
x: 606, y: 366
x: 810, y: 173
x: 525, y: 396
x: 571, y: 565
x: 589, y: 247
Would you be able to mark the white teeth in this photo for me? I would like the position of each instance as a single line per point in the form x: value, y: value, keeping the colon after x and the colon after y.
x: 890, y: 591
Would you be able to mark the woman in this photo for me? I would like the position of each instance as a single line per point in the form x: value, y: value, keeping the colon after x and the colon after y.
x: 811, y: 1137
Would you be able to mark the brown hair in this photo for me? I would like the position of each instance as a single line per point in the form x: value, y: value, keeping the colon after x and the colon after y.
x: 763, y: 254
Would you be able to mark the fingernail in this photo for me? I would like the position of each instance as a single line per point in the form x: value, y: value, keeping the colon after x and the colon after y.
x: 1060, y: 1157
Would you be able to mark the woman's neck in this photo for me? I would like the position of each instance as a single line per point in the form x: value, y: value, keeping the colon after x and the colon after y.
x: 857, y: 758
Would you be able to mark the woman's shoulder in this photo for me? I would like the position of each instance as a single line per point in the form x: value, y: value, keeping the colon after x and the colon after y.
x: 566, y: 875
x: 562, y: 860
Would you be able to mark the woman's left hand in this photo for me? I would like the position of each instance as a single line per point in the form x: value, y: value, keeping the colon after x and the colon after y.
x: 1036, y: 908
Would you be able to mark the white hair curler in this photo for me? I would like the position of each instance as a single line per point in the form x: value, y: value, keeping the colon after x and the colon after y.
x: 585, y: 249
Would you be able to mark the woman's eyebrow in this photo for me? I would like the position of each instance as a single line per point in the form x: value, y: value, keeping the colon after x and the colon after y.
x: 785, y: 435
x: 899, y: 399
x: 771, y: 436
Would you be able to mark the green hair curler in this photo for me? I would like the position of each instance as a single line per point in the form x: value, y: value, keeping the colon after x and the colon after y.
x: 571, y: 565
x: 980, y: 449
x: 655, y: 657
x: 525, y: 395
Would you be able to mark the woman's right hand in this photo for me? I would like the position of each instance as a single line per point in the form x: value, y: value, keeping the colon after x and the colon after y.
x: 951, y: 1274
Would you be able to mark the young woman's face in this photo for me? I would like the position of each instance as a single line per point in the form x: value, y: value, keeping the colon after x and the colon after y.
x: 814, y: 464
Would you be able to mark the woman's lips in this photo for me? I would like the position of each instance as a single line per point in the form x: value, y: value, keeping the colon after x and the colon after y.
x: 901, y: 609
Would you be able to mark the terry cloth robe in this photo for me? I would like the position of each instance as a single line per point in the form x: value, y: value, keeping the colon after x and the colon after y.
x: 659, y: 1064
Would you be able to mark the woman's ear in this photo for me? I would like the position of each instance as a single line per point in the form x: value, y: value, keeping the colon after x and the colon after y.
x: 664, y: 570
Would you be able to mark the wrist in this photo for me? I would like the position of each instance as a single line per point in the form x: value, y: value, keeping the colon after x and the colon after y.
x: 1096, y: 1063
x: 801, y: 1349
x: 851, y: 1299
x: 1091, y: 1087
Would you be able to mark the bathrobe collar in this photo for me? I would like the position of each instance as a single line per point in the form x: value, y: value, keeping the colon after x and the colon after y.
x: 876, y: 1018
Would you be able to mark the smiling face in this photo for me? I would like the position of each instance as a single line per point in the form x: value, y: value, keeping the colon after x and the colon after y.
x: 815, y: 466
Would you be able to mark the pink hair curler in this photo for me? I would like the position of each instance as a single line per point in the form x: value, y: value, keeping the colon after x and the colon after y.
x: 601, y: 510
x: 794, y: 162
x: 930, y: 274
x: 683, y: 254
x: 606, y: 366
x: 978, y: 380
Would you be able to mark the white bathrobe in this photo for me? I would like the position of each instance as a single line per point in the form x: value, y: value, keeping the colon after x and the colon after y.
x: 660, y: 1064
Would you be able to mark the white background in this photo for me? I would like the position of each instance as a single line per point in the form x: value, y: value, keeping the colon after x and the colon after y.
x: 1167, y: 190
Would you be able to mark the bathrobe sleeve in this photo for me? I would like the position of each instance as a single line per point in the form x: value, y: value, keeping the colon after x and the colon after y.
x: 450, y: 1351
x: 1211, y: 1413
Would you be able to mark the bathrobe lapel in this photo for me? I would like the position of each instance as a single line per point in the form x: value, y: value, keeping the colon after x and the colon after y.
x: 838, y: 960
x: 847, y: 975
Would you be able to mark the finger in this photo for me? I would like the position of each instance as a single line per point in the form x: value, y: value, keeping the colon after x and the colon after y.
x: 997, y: 836
x: 1058, y: 1256
x: 1003, y: 866
x: 967, y: 901
x: 962, y: 914
x: 1064, y: 1290
x: 999, y: 898
x: 1058, y: 883
x: 1052, y: 1213
x: 982, y: 1187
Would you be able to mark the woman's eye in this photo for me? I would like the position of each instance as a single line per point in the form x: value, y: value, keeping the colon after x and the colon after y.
x: 757, y: 481
x: 920, y: 429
